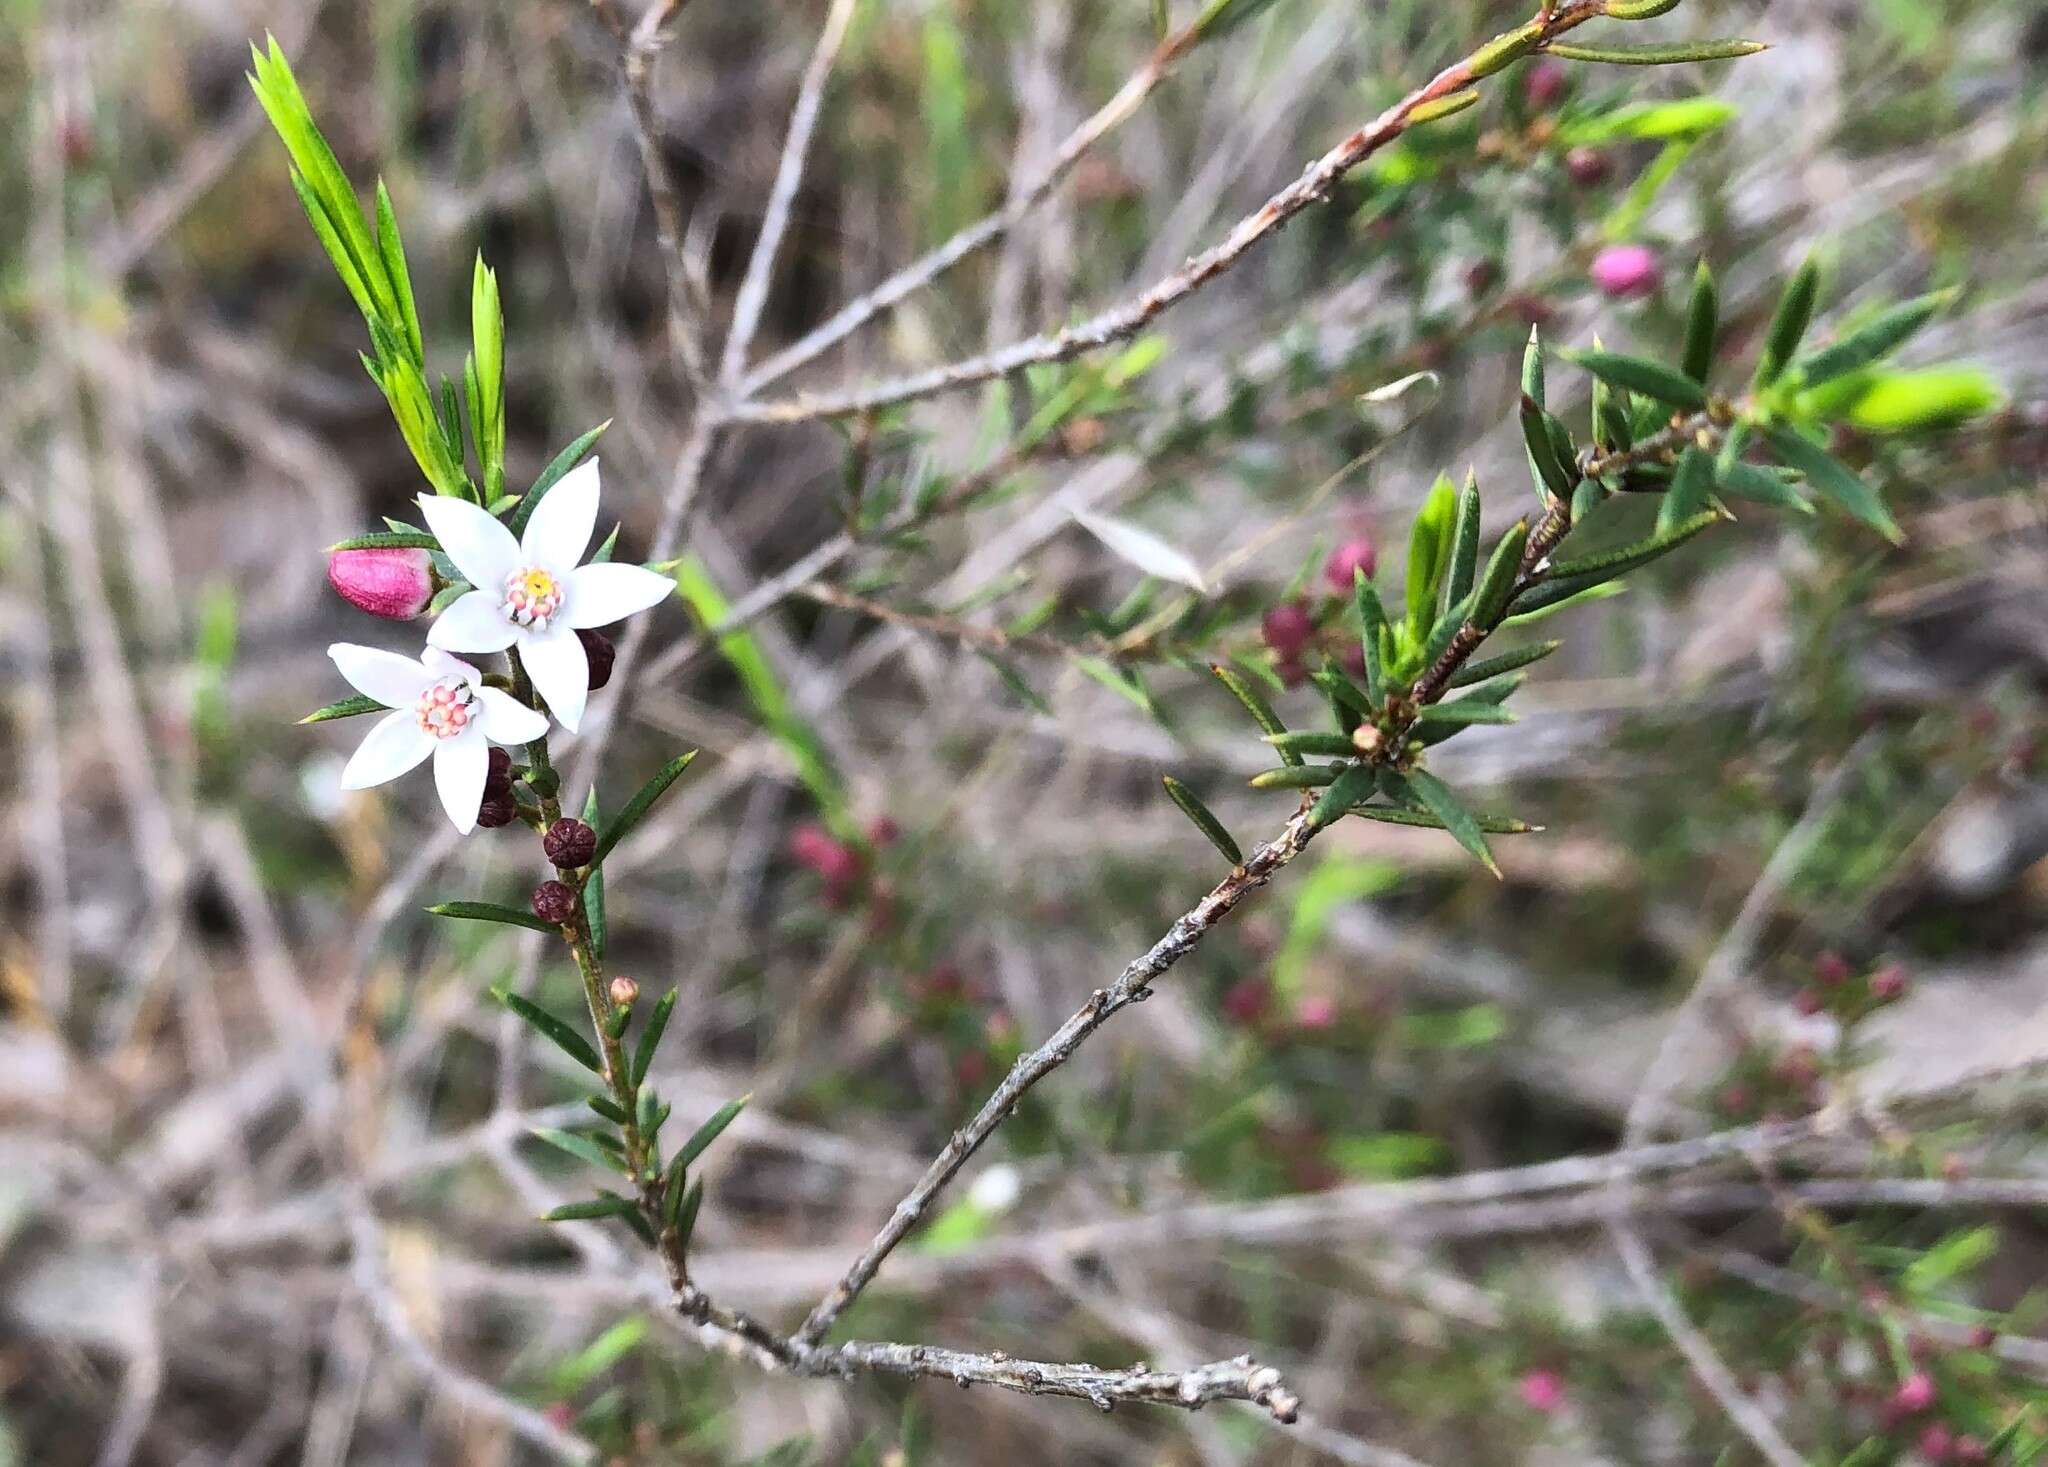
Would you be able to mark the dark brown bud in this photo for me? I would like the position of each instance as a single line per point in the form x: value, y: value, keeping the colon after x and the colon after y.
x: 498, y: 809
x: 1588, y: 167
x: 599, y: 653
x: 569, y: 843
x: 554, y: 902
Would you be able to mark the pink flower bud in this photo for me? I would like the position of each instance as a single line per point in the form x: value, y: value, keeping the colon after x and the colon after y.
x: 1937, y: 1443
x: 1627, y: 270
x: 1915, y: 1393
x: 391, y: 583
x: 1287, y: 628
x: 1808, y: 1002
x: 1315, y: 1012
x: 1347, y: 560
x: 1830, y: 969
x: 1888, y: 984
x: 835, y: 862
x: 1541, y: 1390
x: 1246, y: 1000
x: 625, y: 992
x: 1545, y: 84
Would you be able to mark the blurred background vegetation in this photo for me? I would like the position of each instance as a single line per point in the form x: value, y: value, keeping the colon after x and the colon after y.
x: 223, y: 1021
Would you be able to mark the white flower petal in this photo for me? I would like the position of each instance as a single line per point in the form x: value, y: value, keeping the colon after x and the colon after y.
x: 599, y: 595
x: 441, y: 665
x: 395, y: 746
x: 461, y: 765
x: 394, y: 681
x: 481, y: 547
x: 507, y: 720
x: 476, y: 622
x: 558, y: 532
x: 561, y: 673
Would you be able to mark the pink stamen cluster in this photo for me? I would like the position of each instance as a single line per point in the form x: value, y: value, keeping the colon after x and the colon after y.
x: 444, y: 709
x: 532, y: 597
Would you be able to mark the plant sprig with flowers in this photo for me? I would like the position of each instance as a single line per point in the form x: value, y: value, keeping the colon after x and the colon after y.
x: 505, y: 574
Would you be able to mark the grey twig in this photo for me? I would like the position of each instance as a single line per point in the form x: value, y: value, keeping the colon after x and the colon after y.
x: 796, y: 147
x: 1237, y: 1379
x: 1125, y: 321
x: 1131, y: 986
x: 1023, y: 198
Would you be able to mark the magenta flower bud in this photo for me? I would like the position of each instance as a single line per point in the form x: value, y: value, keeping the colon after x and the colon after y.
x: 1541, y: 1390
x: 390, y: 583
x: 1937, y: 1443
x: 1288, y: 627
x: 1915, y: 1393
x: 1352, y: 556
x: 1245, y: 1000
x: 835, y: 862
x: 1315, y: 1012
x: 1545, y: 84
x: 1627, y: 270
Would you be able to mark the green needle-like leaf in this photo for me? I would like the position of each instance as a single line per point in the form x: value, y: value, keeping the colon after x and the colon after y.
x: 1676, y: 53
x: 346, y: 708
x: 1591, y: 570
x: 1502, y: 570
x: 1550, y: 469
x: 607, y: 1204
x: 1833, y: 479
x: 1204, y: 819
x: 1353, y: 787
x: 1789, y: 323
x: 636, y: 809
x: 579, y: 1146
x: 1702, y: 325
x: 1874, y: 342
x: 1254, y: 702
x: 566, y: 1039
x: 1463, y: 714
x: 559, y: 465
x: 1372, y: 616
x: 1692, y: 486
x: 1640, y: 374
x: 1436, y: 797
x: 1330, y: 745
x: 1423, y: 820
x: 1464, y: 545
x: 593, y: 884
x: 1297, y: 777
x: 650, y: 1037
x: 491, y: 912
x: 1493, y: 667
x: 710, y: 1131
x: 388, y: 540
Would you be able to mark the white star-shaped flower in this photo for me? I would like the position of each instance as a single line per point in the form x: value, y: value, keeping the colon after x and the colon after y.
x: 531, y: 593
x: 441, y: 708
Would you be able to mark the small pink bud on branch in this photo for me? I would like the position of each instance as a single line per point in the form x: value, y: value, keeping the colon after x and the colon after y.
x: 396, y: 584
